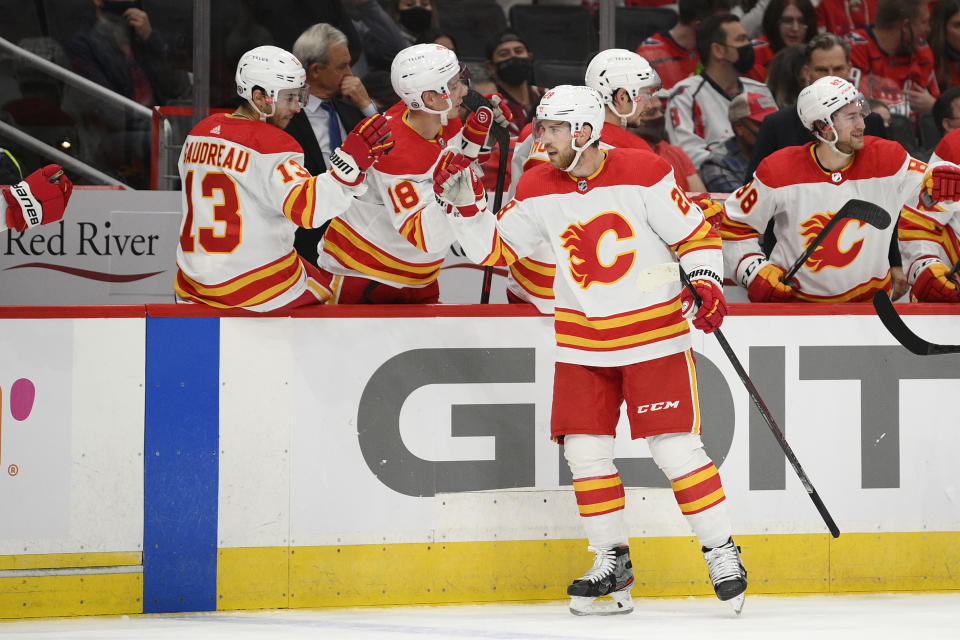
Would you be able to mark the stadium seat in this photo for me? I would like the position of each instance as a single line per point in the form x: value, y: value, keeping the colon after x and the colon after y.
x: 636, y: 24
x: 550, y: 73
x: 471, y: 23
x: 556, y: 32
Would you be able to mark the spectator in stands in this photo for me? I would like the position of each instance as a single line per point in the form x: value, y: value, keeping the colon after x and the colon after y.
x: 438, y: 36
x: 725, y: 169
x: 750, y: 13
x: 379, y: 32
x: 840, y: 17
x: 673, y: 53
x: 510, y: 65
x: 122, y: 52
x: 880, y: 108
x: 697, y: 108
x: 381, y: 89
x: 785, y: 23
x: 944, y: 40
x: 415, y: 17
x: 894, y: 61
x: 946, y: 111
x: 338, y: 101
x: 785, y: 74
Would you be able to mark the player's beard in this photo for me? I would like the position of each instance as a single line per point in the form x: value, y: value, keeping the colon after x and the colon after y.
x: 563, y: 158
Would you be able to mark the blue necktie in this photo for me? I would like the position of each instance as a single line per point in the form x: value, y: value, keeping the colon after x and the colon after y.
x: 333, y: 125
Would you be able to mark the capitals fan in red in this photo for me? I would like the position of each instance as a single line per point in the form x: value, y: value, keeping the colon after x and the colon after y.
x: 615, y: 221
x: 245, y: 192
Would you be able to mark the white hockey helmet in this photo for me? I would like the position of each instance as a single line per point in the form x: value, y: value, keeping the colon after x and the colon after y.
x: 614, y: 69
x: 273, y: 70
x: 424, y: 67
x: 579, y: 106
x: 819, y: 101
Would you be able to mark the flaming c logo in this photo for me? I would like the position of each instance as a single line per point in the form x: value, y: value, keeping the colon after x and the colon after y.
x: 583, y: 243
x: 829, y: 253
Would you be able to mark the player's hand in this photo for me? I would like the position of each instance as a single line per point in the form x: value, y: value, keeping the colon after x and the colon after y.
x: 708, y: 316
x: 942, y: 183
x: 474, y: 135
x: 764, y: 282
x: 709, y: 206
x: 39, y: 199
x: 932, y: 285
x: 368, y: 141
x: 456, y: 186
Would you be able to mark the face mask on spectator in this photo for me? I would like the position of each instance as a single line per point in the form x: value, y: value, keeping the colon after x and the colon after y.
x: 416, y: 20
x: 514, y: 71
x: 744, y: 59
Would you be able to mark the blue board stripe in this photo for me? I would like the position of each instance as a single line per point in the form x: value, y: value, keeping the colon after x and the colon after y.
x: 181, y: 465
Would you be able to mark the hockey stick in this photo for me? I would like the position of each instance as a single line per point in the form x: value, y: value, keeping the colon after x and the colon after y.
x: 895, y: 325
x: 474, y: 100
x: 853, y: 209
x: 767, y: 416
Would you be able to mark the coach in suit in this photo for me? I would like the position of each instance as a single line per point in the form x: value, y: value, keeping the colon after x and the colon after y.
x: 338, y: 101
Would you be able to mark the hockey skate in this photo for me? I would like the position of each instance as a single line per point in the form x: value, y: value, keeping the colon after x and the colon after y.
x: 612, y: 575
x: 727, y: 573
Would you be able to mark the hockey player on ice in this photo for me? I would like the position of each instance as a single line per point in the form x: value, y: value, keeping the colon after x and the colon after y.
x: 801, y: 188
x: 40, y: 198
x: 245, y: 192
x: 628, y: 85
x: 609, y: 217
x: 388, y: 247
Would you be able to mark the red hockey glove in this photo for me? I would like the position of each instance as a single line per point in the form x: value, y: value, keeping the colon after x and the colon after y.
x: 942, y: 183
x: 762, y: 280
x: 456, y: 186
x: 368, y: 141
x: 39, y: 199
x: 475, y: 130
x: 709, y: 207
x: 708, y: 316
x: 501, y: 114
x: 932, y: 284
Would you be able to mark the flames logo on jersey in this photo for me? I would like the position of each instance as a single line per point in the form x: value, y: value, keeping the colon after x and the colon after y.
x: 829, y: 253
x: 582, y: 240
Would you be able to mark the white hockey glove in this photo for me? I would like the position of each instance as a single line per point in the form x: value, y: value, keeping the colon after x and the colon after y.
x: 456, y: 187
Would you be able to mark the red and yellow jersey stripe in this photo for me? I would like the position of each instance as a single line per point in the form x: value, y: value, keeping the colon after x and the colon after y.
x: 246, y: 290
x: 301, y: 202
x: 621, y: 331
x: 534, y: 277
x: 860, y: 293
x: 351, y: 250
x: 703, y: 237
x: 914, y: 225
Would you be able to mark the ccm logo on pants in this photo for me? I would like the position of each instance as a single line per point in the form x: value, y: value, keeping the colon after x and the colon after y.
x: 658, y: 406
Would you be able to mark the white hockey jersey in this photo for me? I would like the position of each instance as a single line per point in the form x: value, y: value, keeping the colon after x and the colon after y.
x: 396, y: 233
x: 245, y: 192
x: 606, y: 232
x: 932, y: 233
x: 696, y: 118
x: 792, y: 189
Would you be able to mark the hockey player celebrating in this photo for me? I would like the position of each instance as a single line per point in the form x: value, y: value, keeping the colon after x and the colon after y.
x: 41, y: 198
x: 611, y: 218
x: 801, y: 189
x: 389, y: 245
x: 245, y: 192
x: 930, y: 239
x: 628, y: 85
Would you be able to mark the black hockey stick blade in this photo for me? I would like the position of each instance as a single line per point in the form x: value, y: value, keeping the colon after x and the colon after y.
x: 898, y: 329
x: 767, y: 417
x: 855, y: 209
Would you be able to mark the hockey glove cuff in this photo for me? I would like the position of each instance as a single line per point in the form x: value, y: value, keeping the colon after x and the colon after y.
x: 368, y: 141
x: 41, y: 198
x: 762, y: 280
x: 709, y: 315
x: 932, y: 284
x: 456, y: 186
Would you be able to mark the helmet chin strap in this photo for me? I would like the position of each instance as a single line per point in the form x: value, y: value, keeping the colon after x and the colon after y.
x: 263, y: 116
x: 625, y: 116
x: 443, y: 114
x: 576, y: 156
x: 832, y: 143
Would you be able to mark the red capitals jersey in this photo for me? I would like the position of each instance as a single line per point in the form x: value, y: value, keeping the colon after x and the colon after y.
x: 886, y: 77
x: 245, y: 192
x: 790, y: 188
x: 672, y: 62
x: 395, y: 233
x: 843, y: 16
x: 762, y: 55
